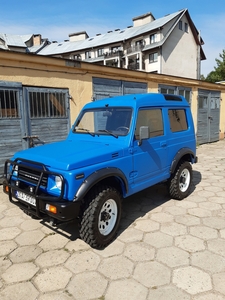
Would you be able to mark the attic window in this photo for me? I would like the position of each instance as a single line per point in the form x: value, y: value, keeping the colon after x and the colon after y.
x: 180, y: 25
x: 59, y: 44
x: 91, y: 39
x: 122, y: 31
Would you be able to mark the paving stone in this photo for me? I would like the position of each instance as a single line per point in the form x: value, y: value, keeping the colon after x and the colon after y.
x: 20, y: 272
x: 115, y: 248
x: 146, y: 225
x: 14, y: 211
x: 19, y: 291
x: 53, y: 241
x: 218, y: 281
x: 155, y: 274
x: 192, y: 280
x: 31, y: 224
x: 186, y: 204
x: 158, y: 239
x: 173, y: 229
x: 199, y: 212
x: 59, y: 295
x: 167, y: 293
x: 173, y: 257
x: 162, y: 217
x: 52, y: 258
x: 209, y: 296
x: 126, y: 289
x: 13, y: 221
x: 208, y: 261
x: 139, y: 252
x: 131, y: 235
x: 175, y: 210
x: 9, y: 233
x: 25, y: 254
x: 3, y: 207
x: 83, y: 261
x: 217, y: 246
x: 5, y: 263
x: 53, y: 279
x: 28, y: 238
x: 116, y: 267
x: 214, y: 222
x: 89, y: 285
x: 189, y: 243
x: 77, y: 245
x: 188, y: 220
x: 203, y: 232
x: 6, y: 247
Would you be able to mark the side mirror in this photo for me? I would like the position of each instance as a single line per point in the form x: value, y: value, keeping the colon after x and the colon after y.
x: 143, y: 134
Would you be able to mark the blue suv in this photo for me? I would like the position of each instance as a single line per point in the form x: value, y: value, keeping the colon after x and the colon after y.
x: 116, y: 147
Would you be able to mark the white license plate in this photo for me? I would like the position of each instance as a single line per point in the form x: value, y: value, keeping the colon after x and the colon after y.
x: 27, y: 198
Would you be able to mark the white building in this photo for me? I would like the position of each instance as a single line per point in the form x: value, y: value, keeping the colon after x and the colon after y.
x: 169, y: 45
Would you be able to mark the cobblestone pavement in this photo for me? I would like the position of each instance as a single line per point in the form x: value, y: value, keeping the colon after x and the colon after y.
x: 166, y: 249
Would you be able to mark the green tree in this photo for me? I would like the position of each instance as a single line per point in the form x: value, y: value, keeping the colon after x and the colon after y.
x: 219, y: 72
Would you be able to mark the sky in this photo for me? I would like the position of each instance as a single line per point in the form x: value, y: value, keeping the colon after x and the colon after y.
x: 55, y: 19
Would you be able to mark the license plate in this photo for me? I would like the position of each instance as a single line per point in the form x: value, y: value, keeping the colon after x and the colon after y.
x: 27, y: 198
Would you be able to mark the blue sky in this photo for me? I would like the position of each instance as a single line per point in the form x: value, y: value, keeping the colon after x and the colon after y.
x: 56, y: 19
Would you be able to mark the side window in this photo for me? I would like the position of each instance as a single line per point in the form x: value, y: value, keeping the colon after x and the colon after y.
x: 178, y: 121
x: 151, y: 118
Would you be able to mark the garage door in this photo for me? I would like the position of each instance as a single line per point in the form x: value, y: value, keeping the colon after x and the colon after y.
x: 208, y: 116
x: 30, y: 117
x: 103, y: 88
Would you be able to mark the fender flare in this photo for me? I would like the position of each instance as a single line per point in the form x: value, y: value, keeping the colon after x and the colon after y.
x: 179, y: 155
x: 96, y: 177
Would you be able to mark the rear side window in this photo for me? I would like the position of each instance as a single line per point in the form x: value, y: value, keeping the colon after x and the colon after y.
x: 178, y: 120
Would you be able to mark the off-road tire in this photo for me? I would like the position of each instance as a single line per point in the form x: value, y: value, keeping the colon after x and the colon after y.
x: 101, y: 216
x: 180, y: 181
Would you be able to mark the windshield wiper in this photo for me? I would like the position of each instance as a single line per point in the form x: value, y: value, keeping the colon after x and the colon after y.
x: 109, y: 132
x: 84, y: 129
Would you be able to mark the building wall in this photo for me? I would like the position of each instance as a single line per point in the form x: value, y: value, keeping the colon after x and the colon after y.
x: 38, y: 71
x: 182, y: 44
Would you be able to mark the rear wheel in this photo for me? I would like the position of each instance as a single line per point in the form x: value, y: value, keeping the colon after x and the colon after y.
x: 101, y: 217
x: 180, y: 181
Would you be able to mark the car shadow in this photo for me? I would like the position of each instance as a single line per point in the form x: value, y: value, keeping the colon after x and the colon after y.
x: 134, y: 207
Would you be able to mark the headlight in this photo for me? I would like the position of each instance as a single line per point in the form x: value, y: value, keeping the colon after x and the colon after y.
x: 58, y: 182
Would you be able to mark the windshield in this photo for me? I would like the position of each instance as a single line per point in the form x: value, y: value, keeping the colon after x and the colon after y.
x: 111, y: 121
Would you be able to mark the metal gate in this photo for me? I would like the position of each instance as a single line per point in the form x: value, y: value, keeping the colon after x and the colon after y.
x: 103, y: 88
x: 208, y: 116
x: 30, y: 117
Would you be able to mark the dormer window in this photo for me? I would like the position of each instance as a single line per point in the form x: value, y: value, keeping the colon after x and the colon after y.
x: 152, y: 38
x: 180, y: 25
x: 100, y: 52
x: 87, y: 54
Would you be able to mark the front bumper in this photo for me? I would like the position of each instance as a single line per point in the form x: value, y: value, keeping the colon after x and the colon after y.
x: 64, y: 210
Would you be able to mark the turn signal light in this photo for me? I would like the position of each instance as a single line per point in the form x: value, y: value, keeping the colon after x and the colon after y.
x: 51, y: 208
x: 6, y: 189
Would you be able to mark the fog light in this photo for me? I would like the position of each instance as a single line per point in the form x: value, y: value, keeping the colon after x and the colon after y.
x: 31, y: 188
x: 51, y: 208
x: 17, y: 183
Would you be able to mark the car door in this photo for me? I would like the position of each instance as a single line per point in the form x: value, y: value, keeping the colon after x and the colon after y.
x: 150, y: 157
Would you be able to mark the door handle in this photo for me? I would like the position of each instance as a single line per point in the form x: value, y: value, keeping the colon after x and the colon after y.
x: 163, y: 144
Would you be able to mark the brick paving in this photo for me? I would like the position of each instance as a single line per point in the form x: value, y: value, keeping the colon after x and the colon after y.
x: 165, y: 249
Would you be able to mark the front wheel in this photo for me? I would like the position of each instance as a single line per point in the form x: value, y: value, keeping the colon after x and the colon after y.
x: 180, y: 181
x: 101, y: 217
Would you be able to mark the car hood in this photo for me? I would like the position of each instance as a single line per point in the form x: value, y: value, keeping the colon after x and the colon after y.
x: 69, y: 154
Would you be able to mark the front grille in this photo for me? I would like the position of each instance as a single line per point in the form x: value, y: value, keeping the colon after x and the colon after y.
x: 31, y: 176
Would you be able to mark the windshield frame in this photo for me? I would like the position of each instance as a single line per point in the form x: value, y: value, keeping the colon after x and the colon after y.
x: 114, y: 121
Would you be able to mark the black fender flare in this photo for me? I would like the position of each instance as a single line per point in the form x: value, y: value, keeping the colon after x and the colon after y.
x: 182, y: 152
x: 96, y: 177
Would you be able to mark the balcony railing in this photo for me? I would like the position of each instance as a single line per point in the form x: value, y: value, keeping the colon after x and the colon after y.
x: 135, y: 49
x: 114, y: 53
x: 135, y: 66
